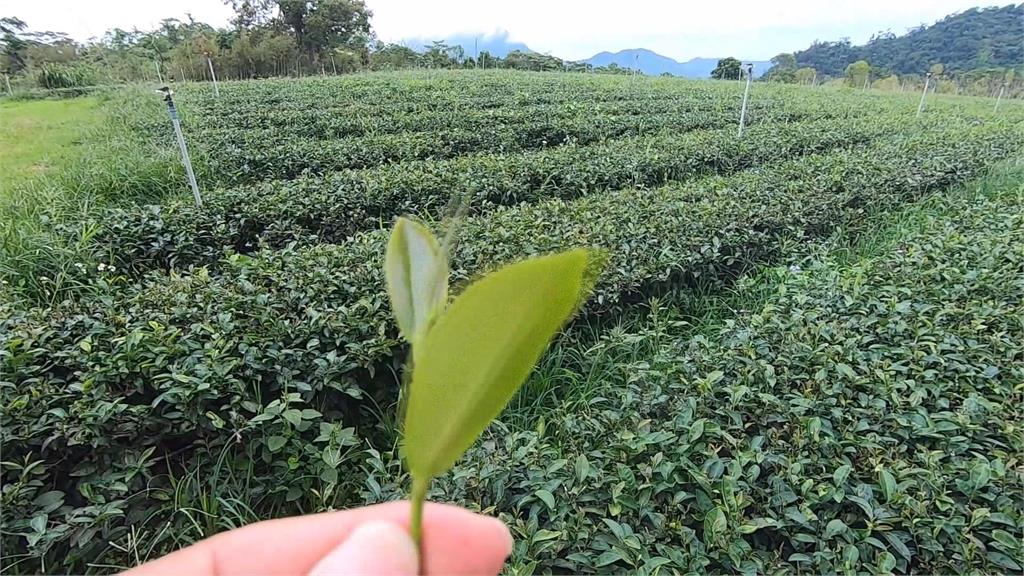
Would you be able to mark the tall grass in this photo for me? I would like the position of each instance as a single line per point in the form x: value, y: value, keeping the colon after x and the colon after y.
x: 49, y: 222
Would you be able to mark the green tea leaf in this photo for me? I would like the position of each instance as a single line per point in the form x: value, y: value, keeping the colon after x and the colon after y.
x: 482, y: 348
x: 542, y: 535
x: 841, y: 474
x: 416, y: 270
x: 898, y: 545
x: 834, y: 528
x: 888, y: 483
x: 715, y: 522
x: 886, y: 562
x: 547, y: 497
x: 1003, y: 561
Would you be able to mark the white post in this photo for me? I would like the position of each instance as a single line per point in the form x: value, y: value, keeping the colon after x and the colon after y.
x: 814, y: 81
x: 746, y: 95
x: 7, y: 80
x: 920, y: 107
x: 866, y: 80
x: 998, y: 98
x: 182, y: 72
x: 333, y: 65
x: 323, y: 72
x: 185, y: 159
x: 159, y: 76
x: 216, y: 90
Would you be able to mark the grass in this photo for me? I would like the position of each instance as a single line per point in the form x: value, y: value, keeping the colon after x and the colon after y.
x: 40, y: 136
x: 64, y: 166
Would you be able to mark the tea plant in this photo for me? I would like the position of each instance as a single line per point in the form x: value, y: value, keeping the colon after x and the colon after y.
x: 469, y: 357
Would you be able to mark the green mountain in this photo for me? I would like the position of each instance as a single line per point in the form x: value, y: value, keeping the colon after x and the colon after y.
x: 976, y: 38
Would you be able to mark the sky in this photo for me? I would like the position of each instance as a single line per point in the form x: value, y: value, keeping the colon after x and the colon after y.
x: 570, y: 29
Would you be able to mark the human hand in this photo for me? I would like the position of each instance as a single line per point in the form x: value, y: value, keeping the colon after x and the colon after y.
x: 370, y: 540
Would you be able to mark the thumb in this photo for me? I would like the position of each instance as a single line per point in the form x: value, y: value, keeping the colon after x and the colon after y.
x: 373, y: 548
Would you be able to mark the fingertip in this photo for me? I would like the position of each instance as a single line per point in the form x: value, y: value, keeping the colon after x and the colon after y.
x: 457, y: 541
x: 375, y: 547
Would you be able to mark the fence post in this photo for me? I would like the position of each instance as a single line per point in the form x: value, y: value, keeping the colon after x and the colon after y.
x: 216, y: 90
x: 746, y: 95
x: 185, y: 159
x: 920, y: 106
x: 996, y: 109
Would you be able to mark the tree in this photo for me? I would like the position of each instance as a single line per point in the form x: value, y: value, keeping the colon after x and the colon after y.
x: 857, y: 73
x: 13, y: 47
x: 784, y: 61
x: 318, y: 26
x: 974, y: 38
x: 392, y: 57
x: 783, y: 69
x: 806, y: 75
x: 727, y: 69
x: 436, y: 55
x: 937, y: 70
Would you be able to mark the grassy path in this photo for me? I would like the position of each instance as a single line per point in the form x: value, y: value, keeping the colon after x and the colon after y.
x: 39, y: 136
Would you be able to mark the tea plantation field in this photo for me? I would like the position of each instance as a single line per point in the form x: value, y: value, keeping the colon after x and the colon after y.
x: 805, y: 353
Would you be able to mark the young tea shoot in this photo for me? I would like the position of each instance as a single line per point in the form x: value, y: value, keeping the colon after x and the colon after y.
x: 470, y: 356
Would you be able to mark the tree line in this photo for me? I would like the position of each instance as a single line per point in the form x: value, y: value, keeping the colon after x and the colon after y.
x: 977, y: 52
x: 266, y: 38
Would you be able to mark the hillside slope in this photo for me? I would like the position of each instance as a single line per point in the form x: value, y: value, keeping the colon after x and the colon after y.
x: 975, y: 38
x: 654, y: 64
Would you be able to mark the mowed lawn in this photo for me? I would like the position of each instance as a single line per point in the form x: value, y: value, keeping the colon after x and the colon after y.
x: 37, y: 136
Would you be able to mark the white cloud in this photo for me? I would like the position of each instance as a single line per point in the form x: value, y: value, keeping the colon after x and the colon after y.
x: 84, y: 19
x: 566, y: 28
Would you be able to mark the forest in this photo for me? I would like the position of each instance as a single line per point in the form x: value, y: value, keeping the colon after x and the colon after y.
x: 979, y: 38
x: 974, y: 52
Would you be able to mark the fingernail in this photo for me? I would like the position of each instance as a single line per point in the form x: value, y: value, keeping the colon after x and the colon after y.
x: 373, y: 548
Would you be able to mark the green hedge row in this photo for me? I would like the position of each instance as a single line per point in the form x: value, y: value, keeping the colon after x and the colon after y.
x: 250, y: 155
x: 333, y: 207
x: 396, y: 93
x: 410, y: 116
x: 257, y: 373
x: 864, y: 420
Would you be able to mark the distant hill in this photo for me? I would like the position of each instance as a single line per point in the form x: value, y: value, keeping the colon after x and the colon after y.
x: 498, y: 43
x: 975, y: 38
x: 652, y: 63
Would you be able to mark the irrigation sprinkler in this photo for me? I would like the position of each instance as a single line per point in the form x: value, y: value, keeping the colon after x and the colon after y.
x: 159, y: 76
x: 216, y: 90
x: 333, y: 65
x: 998, y: 98
x: 185, y: 159
x: 746, y: 96
x: 7, y: 81
x: 924, y: 93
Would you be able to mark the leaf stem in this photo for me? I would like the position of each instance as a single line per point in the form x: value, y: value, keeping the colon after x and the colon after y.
x: 417, y: 497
